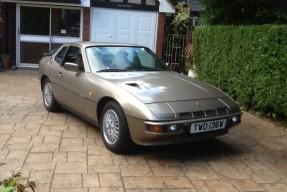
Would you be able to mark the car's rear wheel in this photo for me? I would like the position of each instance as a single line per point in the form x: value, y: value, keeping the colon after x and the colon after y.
x: 49, y: 100
x: 114, y: 128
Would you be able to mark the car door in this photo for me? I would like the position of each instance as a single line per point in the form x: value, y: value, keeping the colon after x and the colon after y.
x: 70, y: 85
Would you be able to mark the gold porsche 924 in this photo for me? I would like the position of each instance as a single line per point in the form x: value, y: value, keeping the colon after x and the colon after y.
x: 133, y: 97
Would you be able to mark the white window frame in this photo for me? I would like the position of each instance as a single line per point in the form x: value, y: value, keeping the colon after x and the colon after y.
x: 41, y: 38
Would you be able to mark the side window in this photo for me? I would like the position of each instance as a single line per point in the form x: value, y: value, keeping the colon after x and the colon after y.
x: 60, y: 56
x: 146, y: 59
x: 74, y: 55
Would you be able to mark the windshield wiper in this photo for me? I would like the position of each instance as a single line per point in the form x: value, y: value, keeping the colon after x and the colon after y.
x: 112, y: 70
x: 151, y: 69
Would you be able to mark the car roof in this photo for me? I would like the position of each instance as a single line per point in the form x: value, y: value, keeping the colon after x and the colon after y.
x: 85, y: 44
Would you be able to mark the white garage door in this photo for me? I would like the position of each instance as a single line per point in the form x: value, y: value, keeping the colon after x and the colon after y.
x: 124, y: 26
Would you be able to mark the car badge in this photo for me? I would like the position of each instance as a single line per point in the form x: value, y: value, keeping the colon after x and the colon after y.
x: 198, y: 104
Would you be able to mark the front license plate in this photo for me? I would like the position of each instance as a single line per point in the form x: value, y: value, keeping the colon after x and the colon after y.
x: 207, y: 126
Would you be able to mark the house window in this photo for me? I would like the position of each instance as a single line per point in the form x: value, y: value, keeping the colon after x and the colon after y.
x: 66, y: 22
x: 30, y: 19
x: 42, y: 28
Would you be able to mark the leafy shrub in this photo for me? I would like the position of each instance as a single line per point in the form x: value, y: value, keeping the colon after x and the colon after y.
x: 16, y: 183
x: 247, y: 62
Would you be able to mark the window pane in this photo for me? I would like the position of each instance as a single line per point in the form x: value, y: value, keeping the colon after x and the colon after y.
x: 150, y: 2
x: 34, y: 20
x: 32, y: 52
x: 66, y: 22
x: 135, y: 1
x: 60, y: 56
x: 117, y: 1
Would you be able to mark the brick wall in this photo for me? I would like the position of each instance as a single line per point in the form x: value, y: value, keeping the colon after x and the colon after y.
x: 160, y: 35
x: 86, y: 24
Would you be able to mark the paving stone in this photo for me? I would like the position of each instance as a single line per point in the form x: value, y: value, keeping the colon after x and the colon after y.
x: 77, y: 156
x: 247, y: 185
x: 71, y: 167
x: 200, y: 173
x: 137, y: 160
x: 214, y: 186
x: 265, y: 176
x: 51, y: 139
x: 167, y: 171
x: 152, y: 182
x: 67, y: 181
x: 72, y: 141
x: 91, y: 180
x: 108, y: 189
x: 68, y: 148
x: 41, y: 177
x: 45, y: 148
x: 37, y: 140
x: 178, y: 182
x: 276, y: 187
x: 68, y: 189
x: 110, y: 180
x: 233, y: 174
x: 103, y: 169
x: 3, y: 154
x: 19, y: 140
x: 38, y: 166
x: 14, y: 165
x: 98, y: 150
x: 100, y: 160
x: 136, y: 170
x: 60, y: 157
x: 39, y: 157
x: 75, y: 134
x: 17, y: 154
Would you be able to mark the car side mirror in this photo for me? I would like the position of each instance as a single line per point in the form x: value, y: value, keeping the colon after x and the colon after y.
x: 71, y: 67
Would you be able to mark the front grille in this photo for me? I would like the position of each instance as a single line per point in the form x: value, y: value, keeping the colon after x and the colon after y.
x: 204, y: 113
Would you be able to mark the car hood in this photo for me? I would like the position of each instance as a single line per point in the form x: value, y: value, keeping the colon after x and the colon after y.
x: 156, y: 87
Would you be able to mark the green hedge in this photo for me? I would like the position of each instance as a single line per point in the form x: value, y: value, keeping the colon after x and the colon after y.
x: 247, y: 62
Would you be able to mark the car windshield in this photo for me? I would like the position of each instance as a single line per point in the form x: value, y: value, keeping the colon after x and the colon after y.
x: 118, y: 59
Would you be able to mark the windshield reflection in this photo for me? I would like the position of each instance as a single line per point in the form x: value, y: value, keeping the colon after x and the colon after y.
x: 119, y: 59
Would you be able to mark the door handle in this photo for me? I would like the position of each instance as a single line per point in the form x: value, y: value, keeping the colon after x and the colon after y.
x: 59, y: 75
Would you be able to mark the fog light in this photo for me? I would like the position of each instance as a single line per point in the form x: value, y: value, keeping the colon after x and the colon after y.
x: 235, y: 119
x: 171, y: 128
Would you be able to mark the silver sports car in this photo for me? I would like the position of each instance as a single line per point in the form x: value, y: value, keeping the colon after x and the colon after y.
x: 133, y: 97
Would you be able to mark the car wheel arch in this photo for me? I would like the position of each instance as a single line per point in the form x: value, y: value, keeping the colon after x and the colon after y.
x: 43, y: 79
x: 102, y: 102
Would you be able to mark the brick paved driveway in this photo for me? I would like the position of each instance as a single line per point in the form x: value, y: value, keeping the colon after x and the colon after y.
x: 63, y: 153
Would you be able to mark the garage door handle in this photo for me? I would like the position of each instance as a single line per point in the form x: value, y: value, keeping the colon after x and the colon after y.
x: 59, y: 75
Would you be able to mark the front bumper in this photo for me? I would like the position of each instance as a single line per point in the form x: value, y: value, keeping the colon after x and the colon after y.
x: 140, y: 135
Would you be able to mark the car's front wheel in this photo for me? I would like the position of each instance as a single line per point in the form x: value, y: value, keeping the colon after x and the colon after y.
x: 49, y: 100
x: 114, y: 128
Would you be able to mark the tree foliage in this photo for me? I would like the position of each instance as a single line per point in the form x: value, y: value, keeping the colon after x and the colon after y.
x: 244, y: 12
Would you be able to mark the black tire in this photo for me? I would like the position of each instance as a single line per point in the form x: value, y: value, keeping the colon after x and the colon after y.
x: 114, y: 128
x: 49, y: 100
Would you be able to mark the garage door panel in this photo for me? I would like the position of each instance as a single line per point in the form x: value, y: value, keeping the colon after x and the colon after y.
x: 144, y: 23
x: 124, y: 26
x: 123, y: 39
x: 144, y: 40
x: 124, y: 22
x: 102, y: 26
